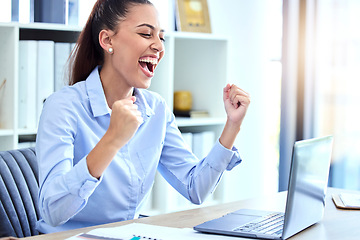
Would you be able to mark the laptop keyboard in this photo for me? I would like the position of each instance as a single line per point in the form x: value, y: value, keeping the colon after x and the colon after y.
x: 271, y: 224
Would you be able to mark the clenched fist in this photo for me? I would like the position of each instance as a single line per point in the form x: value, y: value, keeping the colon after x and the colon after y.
x: 125, y: 120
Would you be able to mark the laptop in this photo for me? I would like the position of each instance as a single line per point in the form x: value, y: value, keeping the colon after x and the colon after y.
x: 305, y: 202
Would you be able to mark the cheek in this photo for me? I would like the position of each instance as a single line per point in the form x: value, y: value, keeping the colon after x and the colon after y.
x: 162, y: 55
x: 125, y: 59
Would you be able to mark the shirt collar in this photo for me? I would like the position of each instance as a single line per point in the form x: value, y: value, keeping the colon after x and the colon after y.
x: 143, y: 106
x: 96, y: 94
x: 98, y: 101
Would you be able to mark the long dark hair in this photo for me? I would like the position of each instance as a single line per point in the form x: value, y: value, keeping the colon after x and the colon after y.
x: 106, y: 14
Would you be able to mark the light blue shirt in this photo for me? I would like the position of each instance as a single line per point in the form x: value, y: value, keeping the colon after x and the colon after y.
x: 74, y: 119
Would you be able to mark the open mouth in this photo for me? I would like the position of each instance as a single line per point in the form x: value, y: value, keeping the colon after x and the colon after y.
x: 148, y: 65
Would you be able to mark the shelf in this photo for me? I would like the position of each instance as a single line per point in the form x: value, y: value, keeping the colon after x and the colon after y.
x: 71, y: 28
x: 51, y: 26
x: 6, y: 132
x: 194, y: 122
x: 27, y: 131
x: 192, y: 35
x: 42, y: 26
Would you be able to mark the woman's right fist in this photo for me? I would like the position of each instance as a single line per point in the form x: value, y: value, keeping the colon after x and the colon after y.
x: 125, y: 120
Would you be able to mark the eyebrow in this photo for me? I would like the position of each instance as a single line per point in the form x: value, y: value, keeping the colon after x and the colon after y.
x: 149, y: 26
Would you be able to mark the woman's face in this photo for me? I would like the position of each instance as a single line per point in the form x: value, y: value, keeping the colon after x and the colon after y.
x: 138, y: 46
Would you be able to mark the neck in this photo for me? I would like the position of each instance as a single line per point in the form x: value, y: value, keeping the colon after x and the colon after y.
x: 114, y: 88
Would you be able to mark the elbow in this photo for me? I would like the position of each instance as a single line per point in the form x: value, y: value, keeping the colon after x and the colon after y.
x: 197, y: 196
x: 197, y: 200
x: 52, y: 215
x: 51, y: 221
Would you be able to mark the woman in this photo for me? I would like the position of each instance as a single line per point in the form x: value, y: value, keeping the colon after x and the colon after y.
x: 101, y: 140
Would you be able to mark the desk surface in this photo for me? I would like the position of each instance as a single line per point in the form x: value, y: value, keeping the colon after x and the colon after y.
x: 336, y: 224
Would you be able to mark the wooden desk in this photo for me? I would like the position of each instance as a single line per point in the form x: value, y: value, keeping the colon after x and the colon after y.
x: 336, y: 224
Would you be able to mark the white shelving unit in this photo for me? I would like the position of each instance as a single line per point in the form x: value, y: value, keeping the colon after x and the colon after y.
x: 10, y: 35
x: 193, y: 61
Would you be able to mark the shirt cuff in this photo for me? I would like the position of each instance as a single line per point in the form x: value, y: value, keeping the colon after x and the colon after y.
x: 81, y: 183
x: 224, y: 158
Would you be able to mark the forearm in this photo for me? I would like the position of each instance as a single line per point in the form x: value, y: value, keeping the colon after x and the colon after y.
x: 102, y: 154
x: 229, y: 134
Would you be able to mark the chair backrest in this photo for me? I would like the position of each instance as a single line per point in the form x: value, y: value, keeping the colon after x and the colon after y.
x: 19, y: 189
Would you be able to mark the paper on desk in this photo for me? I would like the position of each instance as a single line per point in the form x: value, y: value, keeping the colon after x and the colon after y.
x: 135, y: 231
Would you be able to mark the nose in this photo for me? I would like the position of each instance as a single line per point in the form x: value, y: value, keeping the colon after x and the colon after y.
x: 157, y: 45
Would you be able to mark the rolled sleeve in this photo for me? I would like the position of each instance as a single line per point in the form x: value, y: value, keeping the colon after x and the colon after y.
x: 80, y: 182
x: 224, y: 158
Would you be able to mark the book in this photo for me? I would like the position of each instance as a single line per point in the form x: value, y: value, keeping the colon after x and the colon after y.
x: 188, y: 139
x: 164, y: 195
x: 72, y: 16
x: 45, y: 73
x: 15, y: 10
x: 202, y: 143
x: 192, y: 113
x: 50, y: 11
x: 62, y: 53
x: 27, y: 84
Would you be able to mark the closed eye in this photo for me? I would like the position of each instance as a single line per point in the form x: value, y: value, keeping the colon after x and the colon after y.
x: 146, y: 35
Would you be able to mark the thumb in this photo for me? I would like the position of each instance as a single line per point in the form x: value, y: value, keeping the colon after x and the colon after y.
x: 227, y: 103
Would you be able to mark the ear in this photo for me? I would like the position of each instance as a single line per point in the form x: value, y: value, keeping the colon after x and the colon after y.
x: 105, y: 39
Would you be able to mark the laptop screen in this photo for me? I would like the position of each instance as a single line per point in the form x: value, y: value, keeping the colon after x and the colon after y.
x: 307, y: 184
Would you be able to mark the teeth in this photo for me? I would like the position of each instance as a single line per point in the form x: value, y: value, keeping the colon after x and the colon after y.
x: 149, y: 60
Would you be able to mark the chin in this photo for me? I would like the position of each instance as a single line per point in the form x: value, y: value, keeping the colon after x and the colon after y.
x: 144, y: 84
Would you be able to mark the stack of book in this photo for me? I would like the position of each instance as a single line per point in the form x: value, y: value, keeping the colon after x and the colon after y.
x: 46, y: 11
x: 41, y: 72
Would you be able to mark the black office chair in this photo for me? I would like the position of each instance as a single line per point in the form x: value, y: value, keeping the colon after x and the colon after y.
x: 19, y: 189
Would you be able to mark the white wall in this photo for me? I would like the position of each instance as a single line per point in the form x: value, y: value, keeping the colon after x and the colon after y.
x: 244, y: 22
